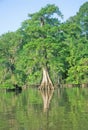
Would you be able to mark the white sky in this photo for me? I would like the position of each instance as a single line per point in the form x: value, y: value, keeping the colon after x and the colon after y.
x: 14, y: 12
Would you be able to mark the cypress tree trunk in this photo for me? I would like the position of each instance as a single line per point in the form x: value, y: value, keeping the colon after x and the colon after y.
x: 46, y: 81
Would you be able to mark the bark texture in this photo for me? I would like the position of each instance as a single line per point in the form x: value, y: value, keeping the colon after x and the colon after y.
x: 46, y: 81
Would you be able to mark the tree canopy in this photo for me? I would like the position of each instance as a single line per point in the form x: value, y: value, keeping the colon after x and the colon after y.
x: 60, y: 47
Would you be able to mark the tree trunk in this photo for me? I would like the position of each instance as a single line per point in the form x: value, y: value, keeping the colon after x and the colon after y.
x: 46, y: 81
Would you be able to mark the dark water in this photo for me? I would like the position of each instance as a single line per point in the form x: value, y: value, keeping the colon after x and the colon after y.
x: 61, y: 109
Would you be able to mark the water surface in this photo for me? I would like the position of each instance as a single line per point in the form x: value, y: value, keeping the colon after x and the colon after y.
x: 61, y: 109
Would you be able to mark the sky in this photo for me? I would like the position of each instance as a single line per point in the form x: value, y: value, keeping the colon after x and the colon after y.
x: 14, y: 12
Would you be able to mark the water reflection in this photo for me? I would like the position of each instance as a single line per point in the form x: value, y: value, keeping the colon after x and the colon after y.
x: 46, y: 96
x: 17, y: 89
x: 64, y: 109
x: 16, y: 92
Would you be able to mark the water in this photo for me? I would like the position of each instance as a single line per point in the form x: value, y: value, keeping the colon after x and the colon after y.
x: 61, y: 109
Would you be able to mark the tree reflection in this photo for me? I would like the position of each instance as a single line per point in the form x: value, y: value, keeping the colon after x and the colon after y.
x: 46, y: 96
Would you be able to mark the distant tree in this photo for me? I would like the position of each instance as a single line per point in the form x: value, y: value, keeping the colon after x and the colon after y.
x: 9, y: 44
x: 81, y: 18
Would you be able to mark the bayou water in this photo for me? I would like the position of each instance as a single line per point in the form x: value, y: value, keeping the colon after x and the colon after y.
x: 62, y: 109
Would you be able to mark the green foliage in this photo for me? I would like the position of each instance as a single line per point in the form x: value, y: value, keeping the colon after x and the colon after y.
x: 81, y: 18
x: 60, y: 47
